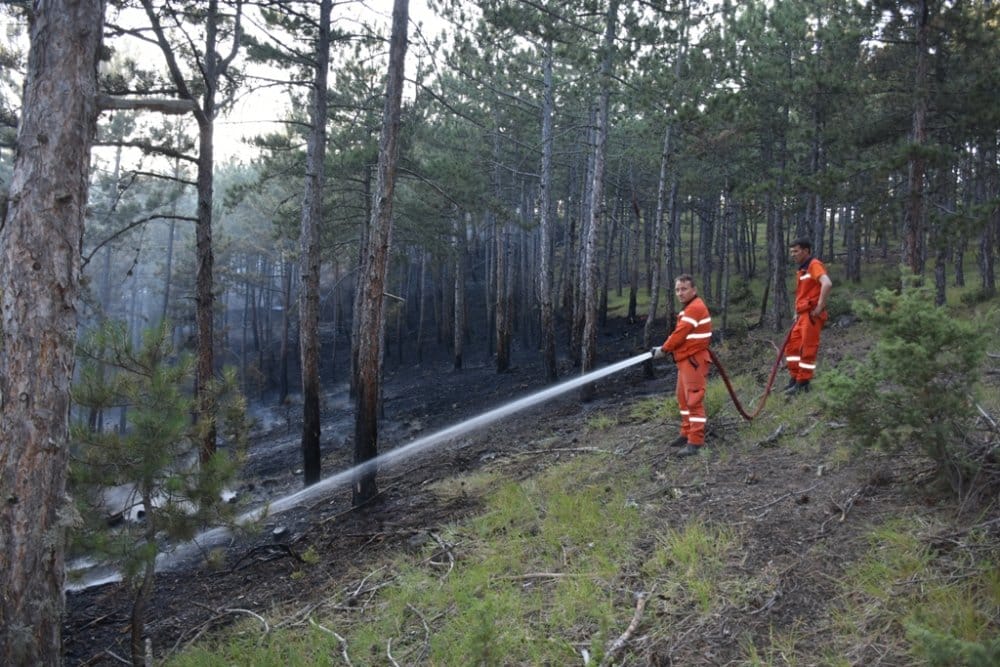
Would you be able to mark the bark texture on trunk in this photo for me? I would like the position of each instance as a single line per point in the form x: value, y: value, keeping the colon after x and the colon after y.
x: 40, y: 266
x: 374, y: 267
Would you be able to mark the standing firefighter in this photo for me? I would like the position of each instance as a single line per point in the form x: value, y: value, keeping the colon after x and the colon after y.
x: 813, y: 288
x: 689, y: 345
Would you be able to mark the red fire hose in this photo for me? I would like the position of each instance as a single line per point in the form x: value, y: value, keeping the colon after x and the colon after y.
x: 767, y: 389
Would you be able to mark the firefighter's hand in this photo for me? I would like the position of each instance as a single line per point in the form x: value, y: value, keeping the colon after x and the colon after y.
x: 657, y: 353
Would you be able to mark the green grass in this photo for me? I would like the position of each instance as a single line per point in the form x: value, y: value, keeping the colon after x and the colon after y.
x: 941, y: 608
x: 658, y: 409
x: 601, y: 422
x: 541, y: 575
x: 549, y: 567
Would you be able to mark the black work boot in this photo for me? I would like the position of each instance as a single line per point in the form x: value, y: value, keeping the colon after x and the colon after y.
x: 801, y: 387
x: 689, y: 450
x: 679, y: 441
x: 791, y: 387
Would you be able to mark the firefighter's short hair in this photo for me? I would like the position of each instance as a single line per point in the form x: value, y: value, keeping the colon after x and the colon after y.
x: 686, y: 278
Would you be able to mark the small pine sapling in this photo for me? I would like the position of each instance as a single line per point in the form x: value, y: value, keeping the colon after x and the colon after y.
x: 163, y: 493
x: 916, y: 386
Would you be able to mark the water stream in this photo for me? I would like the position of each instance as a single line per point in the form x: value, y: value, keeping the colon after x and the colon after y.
x: 215, y: 536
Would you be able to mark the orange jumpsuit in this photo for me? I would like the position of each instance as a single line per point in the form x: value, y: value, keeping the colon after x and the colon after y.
x: 689, y: 344
x: 803, y: 343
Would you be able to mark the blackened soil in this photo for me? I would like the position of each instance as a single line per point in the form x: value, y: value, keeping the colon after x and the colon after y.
x: 800, y: 527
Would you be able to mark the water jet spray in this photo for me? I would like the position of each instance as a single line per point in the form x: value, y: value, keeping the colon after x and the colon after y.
x: 209, y: 538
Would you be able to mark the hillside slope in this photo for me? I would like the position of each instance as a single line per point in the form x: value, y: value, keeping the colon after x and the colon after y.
x: 790, y: 522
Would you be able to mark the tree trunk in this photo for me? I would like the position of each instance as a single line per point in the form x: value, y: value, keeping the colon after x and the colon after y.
x: 286, y: 319
x: 660, y: 231
x: 364, y: 234
x: 374, y: 269
x: 212, y: 68
x: 204, y: 281
x: 144, y: 591
x: 312, y: 214
x: 458, y: 331
x: 41, y: 235
x: 633, y: 261
x: 913, y: 218
x: 991, y: 231
x: 545, y: 224
x: 422, y: 306
x: 589, y: 341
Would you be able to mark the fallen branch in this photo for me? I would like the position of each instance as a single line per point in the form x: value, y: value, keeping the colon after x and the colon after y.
x: 343, y: 642
x: 216, y: 615
x: 770, y: 603
x: 117, y: 657
x: 772, y: 439
x: 444, y: 547
x: 542, y: 575
x: 427, y: 632
x: 270, y: 552
x: 220, y: 612
x: 357, y: 591
x: 849, y: 503
x: 987, y: 417
x: 388, y: 652
x: 617, y: 644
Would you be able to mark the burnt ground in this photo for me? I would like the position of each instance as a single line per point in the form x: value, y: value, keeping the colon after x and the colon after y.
x: 800, y: 524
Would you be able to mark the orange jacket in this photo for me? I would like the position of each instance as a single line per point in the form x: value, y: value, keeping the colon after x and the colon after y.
x: 693, y: 332
x: 807, y: 291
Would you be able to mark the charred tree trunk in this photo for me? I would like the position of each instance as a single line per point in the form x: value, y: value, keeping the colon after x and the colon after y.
x: 458, y: 332
x: 312, y: 214
x: 286, y: 318
x: 374, y: 270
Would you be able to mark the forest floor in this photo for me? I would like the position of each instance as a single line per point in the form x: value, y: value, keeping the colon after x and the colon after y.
x: 804, y: 510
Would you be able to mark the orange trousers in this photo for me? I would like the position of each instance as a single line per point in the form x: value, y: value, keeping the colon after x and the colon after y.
x: 803, y: 346
x: 692, y: 376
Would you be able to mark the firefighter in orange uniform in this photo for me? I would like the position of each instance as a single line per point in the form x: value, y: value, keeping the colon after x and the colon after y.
x: 689, y: 345
x: 813, y: 288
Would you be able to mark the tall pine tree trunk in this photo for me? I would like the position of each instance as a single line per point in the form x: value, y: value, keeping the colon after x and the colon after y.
x: 374, y: 270
x: 545, y: 223
x: 458, y: 331
x: 41, y: 234
x: 913, y: 218
x: 312, y: 214
x: 660, y: 232
x: 588, y: 354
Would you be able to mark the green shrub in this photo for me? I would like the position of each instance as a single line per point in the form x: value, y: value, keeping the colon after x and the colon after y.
x: 915, y: 386
x: 153, y: 460
x: 943, y: 649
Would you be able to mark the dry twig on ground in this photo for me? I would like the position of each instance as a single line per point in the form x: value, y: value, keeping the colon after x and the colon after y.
x: 617, y: 644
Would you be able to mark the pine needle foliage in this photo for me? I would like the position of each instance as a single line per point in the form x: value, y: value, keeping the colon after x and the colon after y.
x: 161, y: 491
x: 916, y: 386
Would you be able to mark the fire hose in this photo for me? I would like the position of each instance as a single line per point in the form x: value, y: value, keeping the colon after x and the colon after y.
x: 767, y: 389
